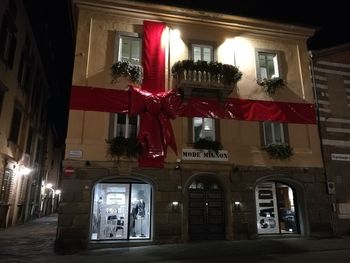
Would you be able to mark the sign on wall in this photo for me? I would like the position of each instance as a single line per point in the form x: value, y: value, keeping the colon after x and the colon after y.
x: 340, y: 157
x: 204, y: 155
x: 266, y: 208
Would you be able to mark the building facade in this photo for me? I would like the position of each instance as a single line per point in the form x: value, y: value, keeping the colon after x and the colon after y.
x: 263, y: 173
x: 24, y: 125
x: 331, y: 77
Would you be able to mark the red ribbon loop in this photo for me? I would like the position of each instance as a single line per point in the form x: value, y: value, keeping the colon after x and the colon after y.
x: 156, y: 132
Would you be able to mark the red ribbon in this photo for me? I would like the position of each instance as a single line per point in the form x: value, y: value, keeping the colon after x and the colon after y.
x: 156, y: 132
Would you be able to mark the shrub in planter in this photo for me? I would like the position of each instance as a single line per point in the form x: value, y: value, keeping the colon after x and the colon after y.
x: 127, y: 70
x: 270, y: 85
x: 119, y: 146
x: 206, y: 144
x: 279, y: 151
x: 229, y: 74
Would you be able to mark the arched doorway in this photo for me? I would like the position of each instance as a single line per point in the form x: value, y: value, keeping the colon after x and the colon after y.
x: 276, y: 208
x: 121, y: 210
x: 206, y: 210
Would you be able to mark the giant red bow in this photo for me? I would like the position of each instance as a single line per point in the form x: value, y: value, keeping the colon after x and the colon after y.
x: 155, y: 132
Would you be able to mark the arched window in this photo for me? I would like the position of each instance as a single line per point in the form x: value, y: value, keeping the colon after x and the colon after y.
x: 276, y: 209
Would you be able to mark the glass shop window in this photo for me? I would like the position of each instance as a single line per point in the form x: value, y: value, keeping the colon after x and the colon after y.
x: 203, y: 128
x: 276, y: 209
x: 121, y: 211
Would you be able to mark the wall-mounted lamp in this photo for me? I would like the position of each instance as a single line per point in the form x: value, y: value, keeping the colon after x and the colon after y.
x: 178, y: 164
x: 237, y: 205
x: 175, y: 206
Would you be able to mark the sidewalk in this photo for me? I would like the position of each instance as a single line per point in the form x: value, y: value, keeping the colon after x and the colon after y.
x: 34, y: 242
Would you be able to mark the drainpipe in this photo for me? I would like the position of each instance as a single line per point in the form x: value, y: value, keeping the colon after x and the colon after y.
x: 331, y: 200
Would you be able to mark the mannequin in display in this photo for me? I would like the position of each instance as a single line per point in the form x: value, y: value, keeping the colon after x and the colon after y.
x: 141, y: 213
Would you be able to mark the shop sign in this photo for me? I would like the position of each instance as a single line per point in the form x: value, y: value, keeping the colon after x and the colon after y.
x: 75, y: 153
x: 204, y: 155
x: 340, y: 157
x: 266, y: 209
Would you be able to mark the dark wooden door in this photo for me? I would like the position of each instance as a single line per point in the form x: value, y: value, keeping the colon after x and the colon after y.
x: 206, y: 214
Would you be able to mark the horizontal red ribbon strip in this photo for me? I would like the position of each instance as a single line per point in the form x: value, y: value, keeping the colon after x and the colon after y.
x: 109, y: 100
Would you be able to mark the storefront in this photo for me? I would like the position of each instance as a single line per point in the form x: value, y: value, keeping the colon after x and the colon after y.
x: 121, y: 210
x: 276, y: 209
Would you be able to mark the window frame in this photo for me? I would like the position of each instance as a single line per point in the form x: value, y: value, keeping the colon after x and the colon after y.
x: 284, y: 133
x: 15, y: 129
x: 202, y: 45
x: 114, y: 125
x: 277, y: 62
x: 117, y: 47
x: 8, y: 40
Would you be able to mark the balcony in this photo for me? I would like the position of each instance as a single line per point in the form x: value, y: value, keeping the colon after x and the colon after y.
x: 202, y: 79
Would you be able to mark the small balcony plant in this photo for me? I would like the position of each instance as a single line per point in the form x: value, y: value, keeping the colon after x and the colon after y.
x: 206, y: 144
x: 202, y: 71
x: 134, y: 73
x: 271, y: 85
x: 280, y: 151
x: 120, y: 146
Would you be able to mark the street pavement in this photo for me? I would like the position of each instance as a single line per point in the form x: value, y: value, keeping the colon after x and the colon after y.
x: 34, y: 242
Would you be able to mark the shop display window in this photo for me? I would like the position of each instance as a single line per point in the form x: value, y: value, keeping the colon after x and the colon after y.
x: 121, y: 211
x: 275, y: 209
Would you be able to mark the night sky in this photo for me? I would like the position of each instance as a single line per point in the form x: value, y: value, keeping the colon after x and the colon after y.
x: 52, y: 25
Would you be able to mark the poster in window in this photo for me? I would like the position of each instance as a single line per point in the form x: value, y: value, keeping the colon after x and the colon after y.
x: 266, y: 208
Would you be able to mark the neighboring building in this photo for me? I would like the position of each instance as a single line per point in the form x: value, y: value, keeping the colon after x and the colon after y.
x: 24, y: 124
x: 238, y: 192
x: 331, y: 75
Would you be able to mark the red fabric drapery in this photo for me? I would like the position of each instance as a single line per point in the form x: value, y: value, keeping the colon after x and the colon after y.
x: 108, y: 100
x: 153, y: 57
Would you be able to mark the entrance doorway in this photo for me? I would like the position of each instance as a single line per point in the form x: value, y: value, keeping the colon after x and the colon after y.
x: 276, y: 209
x: 206, y: 210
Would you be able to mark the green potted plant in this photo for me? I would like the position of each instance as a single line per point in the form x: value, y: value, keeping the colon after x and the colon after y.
x: 206, y: 144
x: 270, y: 85
x: 127, y: 70
x: 280, y: 151
x: 120, y: 146
x: 227, y: 74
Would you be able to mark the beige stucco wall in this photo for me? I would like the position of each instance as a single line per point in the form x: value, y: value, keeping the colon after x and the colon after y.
x: 96, y: 31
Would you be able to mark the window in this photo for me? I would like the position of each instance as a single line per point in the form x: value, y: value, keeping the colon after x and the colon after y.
x: 15, y: 124
x: 273, y: 133
x: 24, y: 73
x: 121, y: 211
x: 129, y: 49
x: 203, y: 128
x: 267, y: 65
x: 2, y: 95
x: 124, y: 125
x: 8, y: 41
x: 202, y: 52
x: 29, y: 140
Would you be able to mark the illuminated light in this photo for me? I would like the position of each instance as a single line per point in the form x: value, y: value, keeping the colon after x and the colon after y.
x: 244, y: 52
x: 175, y: 203
x: 57, y: 192
x: 25, y: 171
x: 178, y: 49
x: 49, y: 185
x: 226, y: 52
x: 176, y: 33
x: 237, y: 203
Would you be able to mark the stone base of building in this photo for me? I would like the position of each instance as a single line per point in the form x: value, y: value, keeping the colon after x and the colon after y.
x: 176, y: 199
